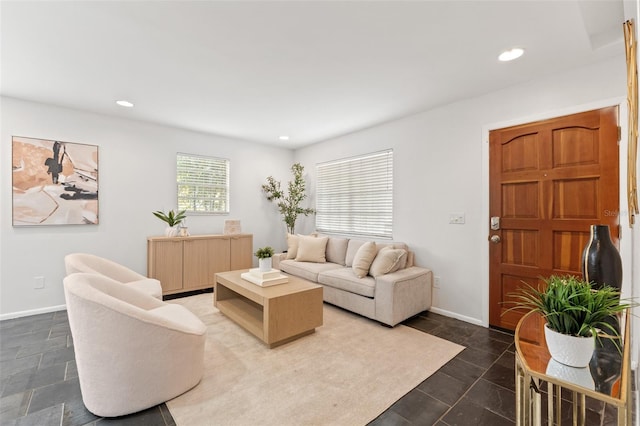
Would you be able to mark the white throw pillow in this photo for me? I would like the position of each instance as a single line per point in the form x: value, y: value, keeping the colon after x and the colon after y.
x: 363, y: 258
x: 312, y: 249
x: 388, y: 260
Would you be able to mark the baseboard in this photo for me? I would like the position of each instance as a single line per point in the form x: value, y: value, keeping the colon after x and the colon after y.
x: 30, y: 312
x: 456, y: 316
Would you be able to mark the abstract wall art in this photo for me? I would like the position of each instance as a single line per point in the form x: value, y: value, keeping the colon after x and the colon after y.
x: 54, y: 182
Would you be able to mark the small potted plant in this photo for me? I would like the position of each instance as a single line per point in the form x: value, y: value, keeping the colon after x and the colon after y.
x: 264, y: 255
x: 575, y: 314
x: 172, y: 219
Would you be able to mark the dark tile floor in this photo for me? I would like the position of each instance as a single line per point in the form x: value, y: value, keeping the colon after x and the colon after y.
x: 39, y: 382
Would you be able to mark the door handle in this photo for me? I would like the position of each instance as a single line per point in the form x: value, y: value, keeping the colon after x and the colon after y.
x: 495, y: 239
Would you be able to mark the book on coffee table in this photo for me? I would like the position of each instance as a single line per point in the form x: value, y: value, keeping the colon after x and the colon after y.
x: 273, y: 273
x: 264, y: 279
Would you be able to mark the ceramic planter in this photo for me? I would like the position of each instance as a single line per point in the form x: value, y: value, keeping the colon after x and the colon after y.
x: 265, y: 264
x: 569, y: 350
x: 171, y: 231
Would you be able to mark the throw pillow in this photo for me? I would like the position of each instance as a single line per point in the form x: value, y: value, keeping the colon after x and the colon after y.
x: 311, y: 249
x: 292, y: 246
x: 363, y: 258
x: 388, y: 260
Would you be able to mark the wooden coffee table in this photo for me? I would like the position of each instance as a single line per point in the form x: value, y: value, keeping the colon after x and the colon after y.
x: 276, y: 314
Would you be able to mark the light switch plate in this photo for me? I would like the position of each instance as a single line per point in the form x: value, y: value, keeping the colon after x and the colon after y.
x: 38, y: 282
x: 456, y: 218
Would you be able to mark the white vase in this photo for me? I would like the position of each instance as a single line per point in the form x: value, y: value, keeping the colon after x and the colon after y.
x: 264, y: 264
x: 171, y: 231
x: 569, y: 350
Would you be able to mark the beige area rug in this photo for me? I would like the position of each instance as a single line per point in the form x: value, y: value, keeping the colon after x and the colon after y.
x: 346, y: 373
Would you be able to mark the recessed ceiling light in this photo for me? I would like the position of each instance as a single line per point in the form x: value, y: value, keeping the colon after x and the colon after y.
x: 284, y: 138
x: 510, y: 55
x: 126, y: 104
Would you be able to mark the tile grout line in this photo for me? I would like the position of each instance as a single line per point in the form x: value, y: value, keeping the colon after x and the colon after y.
x: 441, y: 419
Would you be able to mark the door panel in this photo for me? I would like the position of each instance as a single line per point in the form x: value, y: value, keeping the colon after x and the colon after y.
x: 549, y: 181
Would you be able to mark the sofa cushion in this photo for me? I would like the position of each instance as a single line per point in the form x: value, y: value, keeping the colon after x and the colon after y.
x: 352, y: 249
x: 337, y: 250
x: 388, y: 260
x: 312, y: 249
x: 363, y: 259
x: 307, y: 270
x: 345, y: 279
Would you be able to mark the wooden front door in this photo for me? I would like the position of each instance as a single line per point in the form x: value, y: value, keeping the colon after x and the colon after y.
x: 548, y: 182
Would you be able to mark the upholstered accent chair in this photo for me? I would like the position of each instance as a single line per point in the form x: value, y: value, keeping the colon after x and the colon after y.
x: 132, y: 350
x: 84, y: 262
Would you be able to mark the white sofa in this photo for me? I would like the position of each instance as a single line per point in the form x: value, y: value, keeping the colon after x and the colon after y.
x: 132, y: 350
x: 390, y: 288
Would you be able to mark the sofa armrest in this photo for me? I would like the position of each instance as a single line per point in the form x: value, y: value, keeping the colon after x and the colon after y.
x: 276, y: 259
x: 402, y: 294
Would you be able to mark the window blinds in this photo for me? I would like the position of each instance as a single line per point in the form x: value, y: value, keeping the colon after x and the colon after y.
x: 203, y: 184
x: 354, y: 196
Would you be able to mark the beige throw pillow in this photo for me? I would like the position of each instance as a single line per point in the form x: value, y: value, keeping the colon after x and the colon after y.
x: 388, y: 260
x: 311, y: 249
x: 363, y: 258
x: 292, y: 246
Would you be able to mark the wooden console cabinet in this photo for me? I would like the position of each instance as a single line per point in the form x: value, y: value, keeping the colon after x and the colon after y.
x: 190, y: 263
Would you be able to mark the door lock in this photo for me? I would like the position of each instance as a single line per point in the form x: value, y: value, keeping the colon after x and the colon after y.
x: 495, y: 223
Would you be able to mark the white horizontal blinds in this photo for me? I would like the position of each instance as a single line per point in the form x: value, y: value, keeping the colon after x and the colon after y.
x: 354, y: 196
x: 203, y: 184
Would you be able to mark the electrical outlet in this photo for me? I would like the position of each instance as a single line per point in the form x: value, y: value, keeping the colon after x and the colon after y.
x: 38, y: 282
x: 436, y: 282
x: 456, y: 218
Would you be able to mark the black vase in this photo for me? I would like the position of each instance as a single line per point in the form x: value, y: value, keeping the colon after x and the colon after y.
x: 601, y: 262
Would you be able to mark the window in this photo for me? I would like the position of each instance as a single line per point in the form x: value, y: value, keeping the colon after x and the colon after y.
x: 354, y: 196
x: 203, y: 184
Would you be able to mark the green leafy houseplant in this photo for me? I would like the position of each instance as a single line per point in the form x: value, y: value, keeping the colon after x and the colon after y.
x: 572, y: 306
x: 172, y: 218
x: 264, y: 252
x: 289, y: 203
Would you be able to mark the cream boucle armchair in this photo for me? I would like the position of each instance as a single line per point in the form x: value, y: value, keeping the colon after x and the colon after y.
x: 132, y: 351
x: 83, y: 262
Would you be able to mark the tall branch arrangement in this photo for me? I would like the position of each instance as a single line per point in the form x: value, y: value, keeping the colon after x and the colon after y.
x: 289, y: 203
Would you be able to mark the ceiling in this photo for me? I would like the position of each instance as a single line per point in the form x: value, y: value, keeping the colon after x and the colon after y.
x: 311, y: 70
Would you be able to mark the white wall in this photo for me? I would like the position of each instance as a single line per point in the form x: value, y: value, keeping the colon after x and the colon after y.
x: 439, y: 168
x: 136, y: 177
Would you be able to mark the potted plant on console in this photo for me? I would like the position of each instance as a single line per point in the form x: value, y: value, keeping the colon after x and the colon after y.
x: 172, y: 219
x: 575, y: 313
x: 264, y: 255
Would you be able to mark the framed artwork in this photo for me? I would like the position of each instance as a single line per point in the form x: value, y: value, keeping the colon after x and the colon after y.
x: 54, y: 182
x: 231, y: 227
